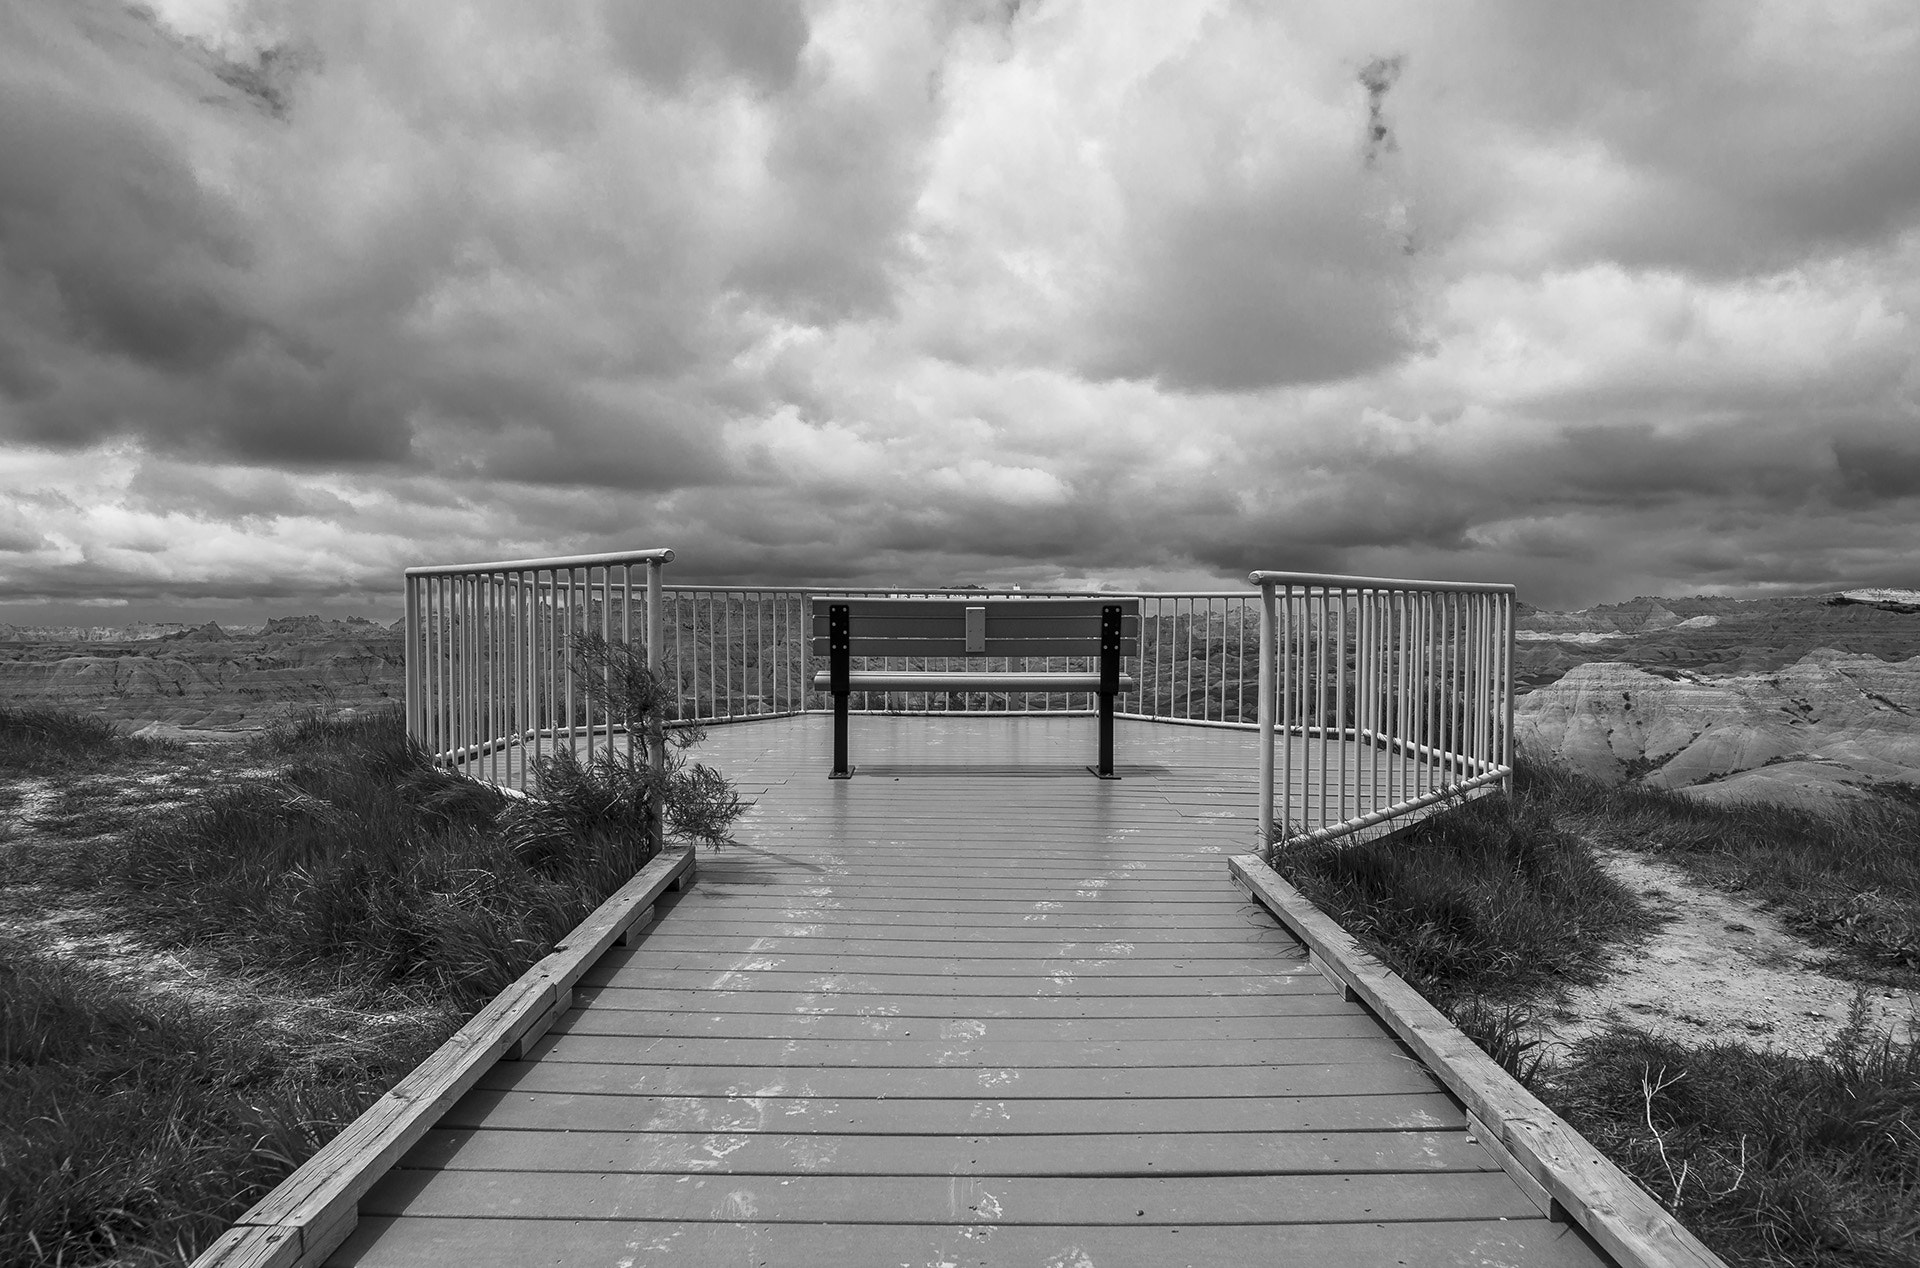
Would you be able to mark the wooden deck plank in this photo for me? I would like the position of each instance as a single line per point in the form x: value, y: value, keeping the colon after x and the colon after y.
x: 518, y: 1108
x: 1090, y: 1082
x: 972, y: 1006
x: 1308, y: 994
x: 925, y: 984
x: 1383, y: 1076
x: 827, y: 1054
x: 967, y: 1242
x: 1027, y: 968
x: 940, y: 1200
x: 774, y: 1152
x: 912, y: 937
x: 1322, y: 1015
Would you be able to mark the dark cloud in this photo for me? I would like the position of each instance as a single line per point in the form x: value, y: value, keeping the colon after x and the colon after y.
x: 106, y: 234
x: 668, y: 42
x: 244, y: 493
x: 1877, y: 470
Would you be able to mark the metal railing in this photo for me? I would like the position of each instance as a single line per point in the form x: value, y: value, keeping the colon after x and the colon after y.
x: 1391, y: 695
x: 492, y: 684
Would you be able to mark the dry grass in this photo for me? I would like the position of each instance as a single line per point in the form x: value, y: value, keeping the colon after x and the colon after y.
x: 139, y: 1114
x: 1773, y: 1160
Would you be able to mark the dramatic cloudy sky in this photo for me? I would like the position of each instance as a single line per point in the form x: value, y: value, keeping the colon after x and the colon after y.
x: 1604, y: 299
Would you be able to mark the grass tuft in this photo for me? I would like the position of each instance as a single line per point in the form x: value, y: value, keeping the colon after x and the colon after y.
x: 1487, y: 899
x: 134, y: 1128
x: 46, y: 741
x: 1771, y: 1159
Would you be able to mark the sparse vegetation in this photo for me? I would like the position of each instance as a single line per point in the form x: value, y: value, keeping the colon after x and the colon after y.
x: 1489, y: 899
x: 1847, y: 877
x: 39, y: 741
x: 386, y: 897
x: 1770, y: 1159
x: 1812, y: 1162
x: 134, y: 1126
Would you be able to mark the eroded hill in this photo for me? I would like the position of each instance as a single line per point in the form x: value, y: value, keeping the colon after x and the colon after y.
x: 1774, y: 699
x: 207, y: 680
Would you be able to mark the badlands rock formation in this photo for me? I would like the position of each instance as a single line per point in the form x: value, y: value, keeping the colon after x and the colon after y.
x: 1825, y: 724
x: 208, y: 680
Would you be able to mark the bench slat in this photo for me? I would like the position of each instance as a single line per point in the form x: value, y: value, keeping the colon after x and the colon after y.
x: 881, y: 645
x: 931, y: 680
x: 954, y: 625
x: 1032, y: 608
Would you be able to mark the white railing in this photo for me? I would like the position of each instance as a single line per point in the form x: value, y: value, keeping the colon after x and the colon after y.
x: 1390, y: 696
x: 491, y: 680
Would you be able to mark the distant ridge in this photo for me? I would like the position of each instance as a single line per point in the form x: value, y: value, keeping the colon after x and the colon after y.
x: 139, y: 632
x: 1906, y: 602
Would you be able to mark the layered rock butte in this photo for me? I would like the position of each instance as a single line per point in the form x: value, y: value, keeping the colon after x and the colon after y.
x: 1791, y: 699
x: 205, y: 681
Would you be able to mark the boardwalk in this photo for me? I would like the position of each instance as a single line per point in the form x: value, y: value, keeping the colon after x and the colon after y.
x: 973, y: 1006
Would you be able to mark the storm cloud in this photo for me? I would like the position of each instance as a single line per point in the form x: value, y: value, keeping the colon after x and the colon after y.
x: 295, y: 293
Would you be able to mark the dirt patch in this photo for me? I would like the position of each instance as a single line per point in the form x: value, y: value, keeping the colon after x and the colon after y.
x: 1722, y: 969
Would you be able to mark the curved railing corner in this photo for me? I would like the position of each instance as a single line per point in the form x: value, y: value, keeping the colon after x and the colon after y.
x: 1391, y: 695
x: 491, y: 682
x: 1411, y: 680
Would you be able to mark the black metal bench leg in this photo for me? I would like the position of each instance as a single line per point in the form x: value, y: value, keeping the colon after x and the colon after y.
x: 839, y: 671
x: 841, y: 769
x: 1110, y: 625
x: 1105, y: 769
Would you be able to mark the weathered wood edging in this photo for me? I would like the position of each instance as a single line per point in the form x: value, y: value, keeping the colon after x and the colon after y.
x: 313, y: 1210
x: 1566, y: 1177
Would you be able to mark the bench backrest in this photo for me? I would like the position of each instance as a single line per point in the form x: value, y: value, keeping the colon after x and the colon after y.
x: 1037, y: 626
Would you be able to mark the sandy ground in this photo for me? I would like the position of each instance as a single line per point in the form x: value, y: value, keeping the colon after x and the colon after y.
x: 1723, y: 969
x: 65, y: 925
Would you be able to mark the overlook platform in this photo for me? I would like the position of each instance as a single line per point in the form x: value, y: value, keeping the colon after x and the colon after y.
x: 972, y: 1006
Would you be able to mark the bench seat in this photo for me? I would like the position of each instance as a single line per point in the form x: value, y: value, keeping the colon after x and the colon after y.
x: 966, y: 680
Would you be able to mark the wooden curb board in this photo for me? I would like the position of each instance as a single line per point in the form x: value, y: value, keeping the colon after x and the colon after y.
x: 313, y: 1210
x: 1566, y: 1177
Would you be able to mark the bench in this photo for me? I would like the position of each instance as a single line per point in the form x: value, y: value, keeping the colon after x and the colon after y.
x: 1102, y: 629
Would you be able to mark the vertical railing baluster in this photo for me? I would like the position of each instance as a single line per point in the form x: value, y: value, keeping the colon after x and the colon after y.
x: 656, y: 721
x: 1287, y: 663
x: 1265, y: 718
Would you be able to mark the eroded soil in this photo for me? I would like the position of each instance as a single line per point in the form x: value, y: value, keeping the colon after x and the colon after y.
x: 1722, y: 969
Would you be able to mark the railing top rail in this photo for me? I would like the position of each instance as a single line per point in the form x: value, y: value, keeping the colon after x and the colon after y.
x: 909, y: 591
x: 610, y: 559
x: 1326, y: 581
